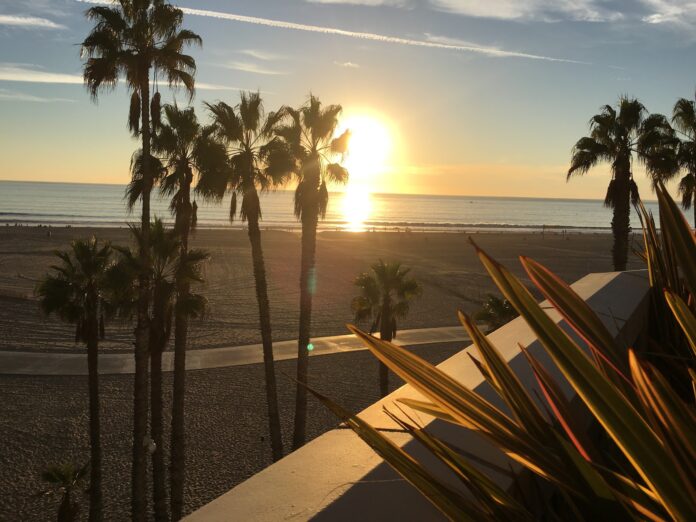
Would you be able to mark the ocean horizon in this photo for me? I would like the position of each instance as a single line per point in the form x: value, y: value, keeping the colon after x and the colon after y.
x: 33, y: 203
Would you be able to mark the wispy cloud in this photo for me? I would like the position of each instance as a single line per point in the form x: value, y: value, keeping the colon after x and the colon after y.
x: 28, y: 22
x: 7, y: 95
x: 13, y: 72
x: 537, y: 10
x: 261, y: 55
x: 252, y: 68
x: 349, y: 65
x: 280, y: 24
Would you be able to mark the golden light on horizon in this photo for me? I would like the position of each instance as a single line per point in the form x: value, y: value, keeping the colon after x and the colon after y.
x: 369, y: 151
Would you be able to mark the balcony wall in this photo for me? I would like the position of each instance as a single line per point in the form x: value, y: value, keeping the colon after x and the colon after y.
x: 337, y: 477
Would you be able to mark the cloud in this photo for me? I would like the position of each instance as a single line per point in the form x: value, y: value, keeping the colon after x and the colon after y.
x: 252, y: 68
x: 397, y: 3
x: 7, y: 95
x: 674, y: 12
x: 349, y: 65
x: 536, y: 10
x: 14, y: 72
x: 261, y: 55
x: 28, y: 22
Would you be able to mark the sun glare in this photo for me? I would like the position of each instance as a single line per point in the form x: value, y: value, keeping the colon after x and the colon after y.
x: 369, y: 150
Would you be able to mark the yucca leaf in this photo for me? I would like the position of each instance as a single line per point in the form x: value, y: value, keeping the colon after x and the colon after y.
x: 670, y: 416
x: 508, y: 385
x: 560, y: 407
x: 681, y: 238
x: 684, y: 315
x: 450, y: 502
x: 624, y: 424
x: 578, y: 315
x: 431, y: 409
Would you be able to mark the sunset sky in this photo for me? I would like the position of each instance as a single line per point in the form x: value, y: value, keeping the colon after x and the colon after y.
x: 476, y: 97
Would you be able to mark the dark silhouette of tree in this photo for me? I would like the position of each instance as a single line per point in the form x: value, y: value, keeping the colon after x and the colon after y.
x: 259, y: 161
x: 616, y: 134
x: 74, y: 290
x: 385, y: 295
x: 310, y: 135
x: 64, y: 480
x: 186, y: 150
x: 684, y: 121
x: 129, y: 38
x: 496, y: 312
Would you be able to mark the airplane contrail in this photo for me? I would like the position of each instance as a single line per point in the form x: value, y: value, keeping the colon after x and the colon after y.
x: 280, y: 24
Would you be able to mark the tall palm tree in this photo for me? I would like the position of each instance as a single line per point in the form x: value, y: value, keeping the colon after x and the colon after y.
x: 684, y: 121
x: 385, y: 295
x: 616, y: 134
x: 74, y: 291
x: 260, y: 160
x: 310, y: 135
x: 186, y: 150
x: 130, y: 38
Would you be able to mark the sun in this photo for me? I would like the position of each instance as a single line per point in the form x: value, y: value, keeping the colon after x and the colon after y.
x: 369, y: 151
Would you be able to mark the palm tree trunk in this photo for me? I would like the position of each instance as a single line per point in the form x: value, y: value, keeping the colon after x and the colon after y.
x: 266, y: 337
x: 95, y: 482
x: 159, y: 481
x: 621, y: 222
x: 385, y: 333
x: 307, y: 287
x: 177, y: 465
x: 140, y: 388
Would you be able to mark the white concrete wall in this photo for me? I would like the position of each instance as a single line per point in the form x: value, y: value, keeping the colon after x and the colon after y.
x: 337, y: 477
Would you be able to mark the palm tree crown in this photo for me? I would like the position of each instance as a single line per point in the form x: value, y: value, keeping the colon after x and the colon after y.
x: 310, y: 136
x: 684, y: 121
x: 77, y: 285
x: 259, y: 159
x: 133, y: 36
x: 615, y: 136
x: 388, y: 290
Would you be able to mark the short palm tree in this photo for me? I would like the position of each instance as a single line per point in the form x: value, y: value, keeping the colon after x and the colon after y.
x: 74, y: 290
x: 616, y: 134
x: 310, y: 135
x: 259, y: 161
x: 495, y: 312
x: 63, y: 480
x: 185, y: 150
x: 129, y: 39
x: 385, y: 296
x: 684, y: 121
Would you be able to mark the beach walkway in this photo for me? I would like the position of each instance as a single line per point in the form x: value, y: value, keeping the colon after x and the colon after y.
x: 34, y: 363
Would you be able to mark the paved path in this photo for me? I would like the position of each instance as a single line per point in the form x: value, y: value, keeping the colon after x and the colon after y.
x: 31, y: 363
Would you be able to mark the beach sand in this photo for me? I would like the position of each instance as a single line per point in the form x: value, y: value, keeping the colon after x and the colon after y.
x: 44, y: 419
x: 445, y: 264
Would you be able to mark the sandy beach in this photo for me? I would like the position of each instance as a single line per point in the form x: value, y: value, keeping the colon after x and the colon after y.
x: 44, y: 419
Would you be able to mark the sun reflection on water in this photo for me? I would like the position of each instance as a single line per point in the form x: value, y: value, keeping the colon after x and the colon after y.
x: 356, y: 207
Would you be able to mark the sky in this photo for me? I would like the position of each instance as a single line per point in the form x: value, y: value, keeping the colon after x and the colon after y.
x: 477, y: 97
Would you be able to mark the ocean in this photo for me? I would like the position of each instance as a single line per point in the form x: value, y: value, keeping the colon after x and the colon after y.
x: 97, y: 205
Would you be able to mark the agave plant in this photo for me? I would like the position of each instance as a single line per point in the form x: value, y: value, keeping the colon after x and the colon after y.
x: 643, y: 464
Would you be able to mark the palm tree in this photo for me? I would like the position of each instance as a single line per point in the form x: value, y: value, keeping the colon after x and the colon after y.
x: 496, y: 312
x: 64, y: 479
x: 260, y: 160
x: 185, y: 150
x: 310, y: 135
x: 385, y: 295
x: 130, y: 38
x: 74, y: 291
x: 615, y: 135
x: 684, y: 121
